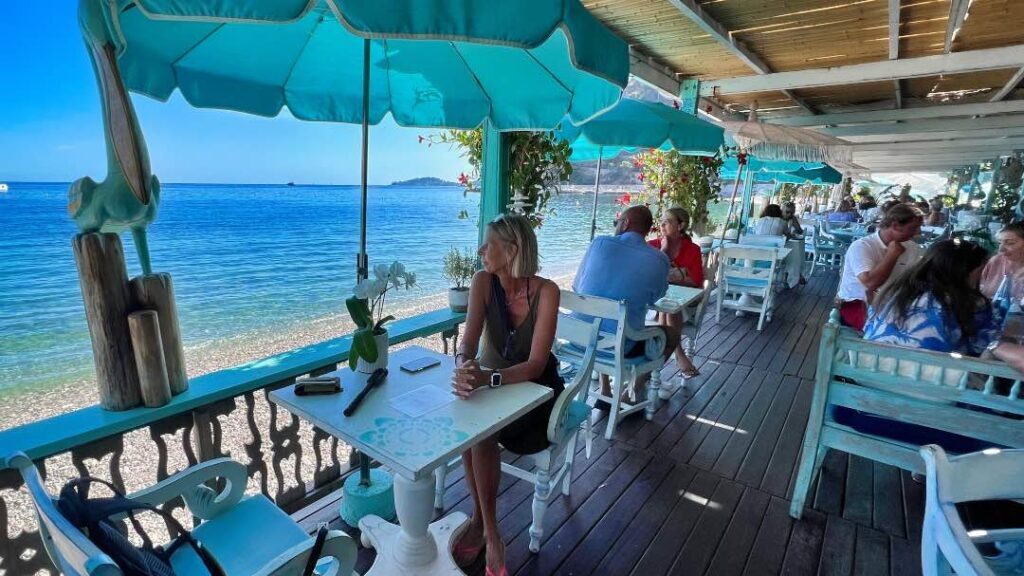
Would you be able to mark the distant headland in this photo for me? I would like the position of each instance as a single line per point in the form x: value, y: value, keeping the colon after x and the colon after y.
x: 425, y: 181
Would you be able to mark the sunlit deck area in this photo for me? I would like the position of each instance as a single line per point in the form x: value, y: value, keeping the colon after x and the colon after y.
x: 703, y: 488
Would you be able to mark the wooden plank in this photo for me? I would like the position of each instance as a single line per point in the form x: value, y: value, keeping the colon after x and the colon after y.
x: 680, y: 423
x: 756, y: 461
x: 735, y: 391
x: 606, y: 533
x: 831, y: 483
x: 643, y: 527
x: 888, y: 500
x: 661, y: 553
x: 913, y: 505
x: 641, y: 432
x: 558, y: 543
x: 735, y: 450
x: 857, y: 502
x: 728, y: 423
x: 700, y: 547
x: 774, y: 359
x: 769, y: 548
x: 731, y: 556
x: 904, y: 557
x: 806, y: 347
x: 872, y: 552
x: 837, y: 547
x: 782, y: 467
x: 804, y: 546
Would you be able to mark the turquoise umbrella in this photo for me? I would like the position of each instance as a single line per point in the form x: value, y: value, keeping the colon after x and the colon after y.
x: 521, y: 65
x: 824, y: 175
x: 635, y: 124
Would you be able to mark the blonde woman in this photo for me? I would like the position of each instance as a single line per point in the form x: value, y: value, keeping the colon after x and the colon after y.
x: 511, y: 326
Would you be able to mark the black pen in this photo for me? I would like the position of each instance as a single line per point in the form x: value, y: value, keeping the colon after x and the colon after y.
x: 376, y: 378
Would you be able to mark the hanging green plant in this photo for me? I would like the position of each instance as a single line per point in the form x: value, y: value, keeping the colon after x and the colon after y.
x: 673, y: 179
x: 538, y: 166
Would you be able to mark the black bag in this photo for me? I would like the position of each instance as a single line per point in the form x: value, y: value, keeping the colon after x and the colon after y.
x: 93, y: 517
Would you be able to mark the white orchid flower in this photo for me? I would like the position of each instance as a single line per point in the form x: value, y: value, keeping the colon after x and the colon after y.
x: 397, y: 268
x: 381, y: 271
x: 363, y: 289
x: 410, y: 279
x: 379, y: 286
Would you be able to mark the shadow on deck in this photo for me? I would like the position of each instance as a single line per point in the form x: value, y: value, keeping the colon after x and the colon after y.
x: 703, y: 488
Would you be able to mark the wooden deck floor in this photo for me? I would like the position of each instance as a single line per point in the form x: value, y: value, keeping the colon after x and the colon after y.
x: 703, y: 488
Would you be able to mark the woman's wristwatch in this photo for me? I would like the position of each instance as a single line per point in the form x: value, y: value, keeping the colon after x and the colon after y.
x: 495, y: 379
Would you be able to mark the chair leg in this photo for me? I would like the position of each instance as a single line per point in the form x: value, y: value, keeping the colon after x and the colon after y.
x: 439, y: 480
x: 810, y: 462
x: 541, y: 493
x: 613, y: 414
x: 570, y: 454
x: 652, y: 393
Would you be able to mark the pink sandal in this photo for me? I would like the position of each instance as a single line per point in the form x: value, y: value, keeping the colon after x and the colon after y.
x: 465, y: 555
x: 502, y: 572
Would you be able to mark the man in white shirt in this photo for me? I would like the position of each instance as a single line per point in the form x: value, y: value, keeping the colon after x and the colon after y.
x: 871, y: 262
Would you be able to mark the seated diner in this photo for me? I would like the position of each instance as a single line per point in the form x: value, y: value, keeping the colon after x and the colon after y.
x: 1008, y: 262
x: 686, y: 269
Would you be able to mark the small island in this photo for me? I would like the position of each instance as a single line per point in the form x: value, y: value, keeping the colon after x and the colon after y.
x: 424, y: 181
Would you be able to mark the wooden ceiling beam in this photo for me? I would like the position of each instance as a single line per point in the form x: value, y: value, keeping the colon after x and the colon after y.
x: 705, y: 22
x: 936, y: 111
x: 939, y: 145
x: 957, y: 15
x: 937, y: 136
x: 936, y: 65
x: 1010, y: 86
x: 936, y: 125
x: 662, y: 78
x: 894, y: 29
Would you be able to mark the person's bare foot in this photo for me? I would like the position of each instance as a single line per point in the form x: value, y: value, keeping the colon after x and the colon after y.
x: 496, y: 557
x: 469, y: 545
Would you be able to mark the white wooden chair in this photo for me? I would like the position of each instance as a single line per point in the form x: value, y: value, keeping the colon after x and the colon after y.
x: 826, y: 250
x: 771, y: 240
x: 246, y: 536
x: 947, y: 547
x: 611, y: 356
x: 569, y: 416
x: 747, y: 272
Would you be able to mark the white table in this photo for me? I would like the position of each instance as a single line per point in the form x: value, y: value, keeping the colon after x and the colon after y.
x: 677, y: 299
x: 413, y: 447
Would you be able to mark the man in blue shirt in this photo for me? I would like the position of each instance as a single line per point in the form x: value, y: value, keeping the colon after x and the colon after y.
x: 625, y: 267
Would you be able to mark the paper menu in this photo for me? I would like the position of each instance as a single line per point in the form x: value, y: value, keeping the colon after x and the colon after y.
x: 422, y: 400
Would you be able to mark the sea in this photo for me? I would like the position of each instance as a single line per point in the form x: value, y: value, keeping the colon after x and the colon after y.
x: 245, y: 259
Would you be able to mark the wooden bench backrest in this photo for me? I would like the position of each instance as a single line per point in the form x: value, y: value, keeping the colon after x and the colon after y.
x: 937, y: 390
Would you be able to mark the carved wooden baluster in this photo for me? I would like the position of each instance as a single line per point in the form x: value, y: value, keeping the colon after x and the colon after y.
x: 179, y: 425
x: 284, y: 444
x: 22, y: 553
x: 327, y: 469
x: 97, y: 451
x: 257, y: 465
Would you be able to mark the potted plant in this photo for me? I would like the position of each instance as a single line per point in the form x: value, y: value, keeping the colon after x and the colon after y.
x: 366, y: 306
x: 458, y: 269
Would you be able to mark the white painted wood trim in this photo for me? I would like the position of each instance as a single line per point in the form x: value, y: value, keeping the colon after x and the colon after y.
x: 954, y: 63
x: 937, y: 111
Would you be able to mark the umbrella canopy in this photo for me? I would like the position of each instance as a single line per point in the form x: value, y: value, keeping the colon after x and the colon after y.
x: 635, y: 124
x: 823, y: 175
x: 776, y: 142
x: 434, y: 63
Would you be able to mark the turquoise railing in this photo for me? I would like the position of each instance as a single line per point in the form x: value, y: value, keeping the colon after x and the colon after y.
x: 276, y: 450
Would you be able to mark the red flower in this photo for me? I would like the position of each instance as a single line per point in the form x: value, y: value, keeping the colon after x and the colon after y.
x: 661, y: 192
x: 706, y: 160
x: 709, y: 109
x: 464, y: 179
x: 624, y: 200
x: 741, y: 158
x: 675, y: 104
x: 637, y: 163
x: 640, y: 177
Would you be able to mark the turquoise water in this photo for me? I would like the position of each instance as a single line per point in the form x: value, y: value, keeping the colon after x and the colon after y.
x: 244, y: 259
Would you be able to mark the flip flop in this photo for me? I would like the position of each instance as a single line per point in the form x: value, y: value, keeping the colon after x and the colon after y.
x: 691, y: 373
x: 466, y: 555
x: 502, y: 572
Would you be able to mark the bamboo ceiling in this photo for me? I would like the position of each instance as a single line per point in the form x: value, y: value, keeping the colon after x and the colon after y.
x: 803, y: 34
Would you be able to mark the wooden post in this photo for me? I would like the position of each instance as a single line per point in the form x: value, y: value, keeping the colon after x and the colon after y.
x: 104, y: 282
x: 149, y: 357
x: 156, y: 292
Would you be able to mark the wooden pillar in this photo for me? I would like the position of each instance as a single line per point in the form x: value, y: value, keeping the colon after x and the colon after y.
x: 156, y: 292
x: 494, y: 182
x: 104, y: 282
x: 149, y: 357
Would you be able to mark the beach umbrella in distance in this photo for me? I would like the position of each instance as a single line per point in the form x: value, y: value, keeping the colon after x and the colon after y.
x: 636, y: 124
x: 521, y: 65
x: 786, y: 143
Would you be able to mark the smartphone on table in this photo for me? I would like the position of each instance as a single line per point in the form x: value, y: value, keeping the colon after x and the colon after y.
x: 420, y: 364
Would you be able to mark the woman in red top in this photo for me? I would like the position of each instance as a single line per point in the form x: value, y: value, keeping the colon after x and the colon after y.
x: 686, y: 269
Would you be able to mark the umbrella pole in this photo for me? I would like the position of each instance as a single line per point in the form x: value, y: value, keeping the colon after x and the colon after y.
x: 363, y: 262
x: 597, y: 186
x: 732, y: 203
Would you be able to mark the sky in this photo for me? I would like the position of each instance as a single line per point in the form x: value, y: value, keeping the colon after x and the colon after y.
x: 51, y: 128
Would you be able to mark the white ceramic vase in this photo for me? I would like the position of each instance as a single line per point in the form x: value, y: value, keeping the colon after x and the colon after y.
x: 382, y: 355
